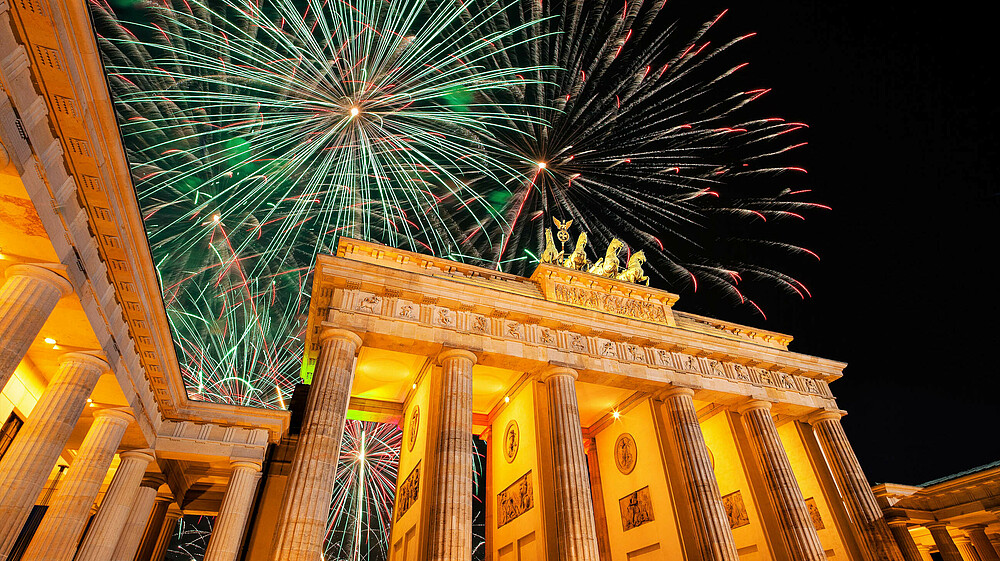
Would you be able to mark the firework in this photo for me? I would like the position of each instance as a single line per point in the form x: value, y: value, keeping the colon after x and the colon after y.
x: 190, y: 539
x: 649, y: 139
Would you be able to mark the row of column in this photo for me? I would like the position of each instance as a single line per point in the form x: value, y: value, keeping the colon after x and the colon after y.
x: 28, y: 296
x: 300, y: 529
x: 975, y: 546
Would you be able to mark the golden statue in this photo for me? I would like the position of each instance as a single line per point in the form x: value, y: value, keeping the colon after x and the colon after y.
x: 563, y: 234
x: 607, y: 266
x: 578, y: 259
x: 550, y: 255
x: 633, y: 271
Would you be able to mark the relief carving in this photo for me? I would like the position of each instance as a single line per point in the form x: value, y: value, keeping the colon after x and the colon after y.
x: 786, y: 381
x: 625, y: 453
x: 407, y: 311
x: 666, y: 359
x: 736, y: 511
x: 547, y: 338
x: 479, y: 323
x: 515, y: 500
x: 637, y: 509
x: 579, y: 343
x: 511, y: 441
x: 608, y: 348
x: 408, y: 492
x: 689, y: 363
x: 817, y: 520
x: 610, y: 303
x: 443, y: 316
x: 716, y: 369
x: 371, y: 304
x: 411, y: 433
x: 635, y: 353
x: 515, y: 330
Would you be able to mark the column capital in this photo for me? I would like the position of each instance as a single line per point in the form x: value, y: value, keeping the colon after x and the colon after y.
x: 754, y: 404
x: 153, y: 480
x: 936, y: 524
x: 244, y: 463
x: 973, y: 527
x: 448, y: 354
x: 334, y: 333
x: 553, y: 371
x: 144, y: 454
x: 43, y: 273
x: 90, y: 358
x: 116, y: 414
x: 825, y: 415
x: 676, y: 390
x: 898, y: 522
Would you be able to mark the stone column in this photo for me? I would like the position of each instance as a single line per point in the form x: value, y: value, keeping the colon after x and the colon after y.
x: 867, y: 518
x: 227, y: 533
x: 152, y: 530
x: 714, y: 534
x: 450, y: 532
x: 166, y: 534
x: 301, y: 525
x: 138, y: 517
x: 925, y: 553
x: 964, y: 545
x: 27, y: 297
x: 796, y: 525
x: 908, y: 547
x: 59, y: 533
x: 986, y: 551
x: 946, y: 546
x: 28, y: 462
x: 106, y: 527
x: 576, y: 532
x: 995, y: 540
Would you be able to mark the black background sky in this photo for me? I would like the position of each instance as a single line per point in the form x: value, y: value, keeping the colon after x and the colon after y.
x: 903, y: 144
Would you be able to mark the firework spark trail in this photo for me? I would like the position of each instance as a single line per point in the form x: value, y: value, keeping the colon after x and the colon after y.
x: 651, y: 141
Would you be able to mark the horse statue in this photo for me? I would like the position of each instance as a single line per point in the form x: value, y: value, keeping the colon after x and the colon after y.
x: 578, y: 259
x: 550, y: 254
x: 607, y: 266
x: 633, y: 271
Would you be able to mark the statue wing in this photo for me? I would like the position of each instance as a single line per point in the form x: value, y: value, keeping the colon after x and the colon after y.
x: 557, y: 223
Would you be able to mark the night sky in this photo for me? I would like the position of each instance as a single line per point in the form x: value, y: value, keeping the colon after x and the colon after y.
x: 904, y: 147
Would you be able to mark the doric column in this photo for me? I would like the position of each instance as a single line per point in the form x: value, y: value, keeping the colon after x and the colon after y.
x: 106, y: 528
x: 138, y: 517
x: 27, y: 297
x: 867, y: 518
x: 227, y: 533
x: 28, y: 462
x: 305, y: 506
x: 946, y: 546
x: 152, y: 530
x: 995, y: 540
x: 450, y: 537
x: 166, y: 534
x: 925, y: 552
x: 715, y: 535
x: 908, y: 547
x: 986, y: 551
x: 796, y: 524
x: 59, y: 533
x: 576, y: 532
x: 964, y: 545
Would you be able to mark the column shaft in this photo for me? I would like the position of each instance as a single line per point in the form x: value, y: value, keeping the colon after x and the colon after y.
x: 576, y: 532
x: 904, y: 540
x: 946, y: 546
x: 450, y: 532
x: 106, y: 528
x: 714, y: 534
x: 301, y: 526
x: 968, y: 552
x: 152, y: 529
x: 982, y: 543
x: 28, y: 462
x: 227, y: 533
x: 166, y: 535
x: 27, y: 298
x: 59, y: 533
x: 135, y: 525
x: 867, y: 519
x: 796, y: 525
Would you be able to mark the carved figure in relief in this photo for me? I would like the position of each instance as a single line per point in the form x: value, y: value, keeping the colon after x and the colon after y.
x: 443, y: 317
x: 479, y: 323
x: 550, y: 254
x: 579, y: 344
x: 406, y: 311
x: 369, y: 304
x: 547, y: 337
x: 633, y: 270
x: 578, y: 259
x: 607, y: 266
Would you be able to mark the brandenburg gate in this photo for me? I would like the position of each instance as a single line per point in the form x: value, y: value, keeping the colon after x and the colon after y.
x: 617, y: 427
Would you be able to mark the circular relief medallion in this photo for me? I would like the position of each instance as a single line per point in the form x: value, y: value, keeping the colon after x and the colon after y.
x: 511, y: 441
x: 625, y: 453
x: 411, y: 434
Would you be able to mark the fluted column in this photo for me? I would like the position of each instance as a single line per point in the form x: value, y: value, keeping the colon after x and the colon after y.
x: 27, y: 297
x: 796, y: 524
x: 925, y: 553
x: 227, y: 533
x: 106, y: 528
x: 946, y: 546
x: 302, y: 521
x: 867, y: 519
x: 28, y: 462
x: 964, y: 545
x: 986, y: 551
x: 450, y: 537
x: 576, y: 532
x: 166, y: 534
x: 59, y: 533
x: 908, y: 547
x: 715, y: 535
x: 152, y: 530
x: 135, y: 525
